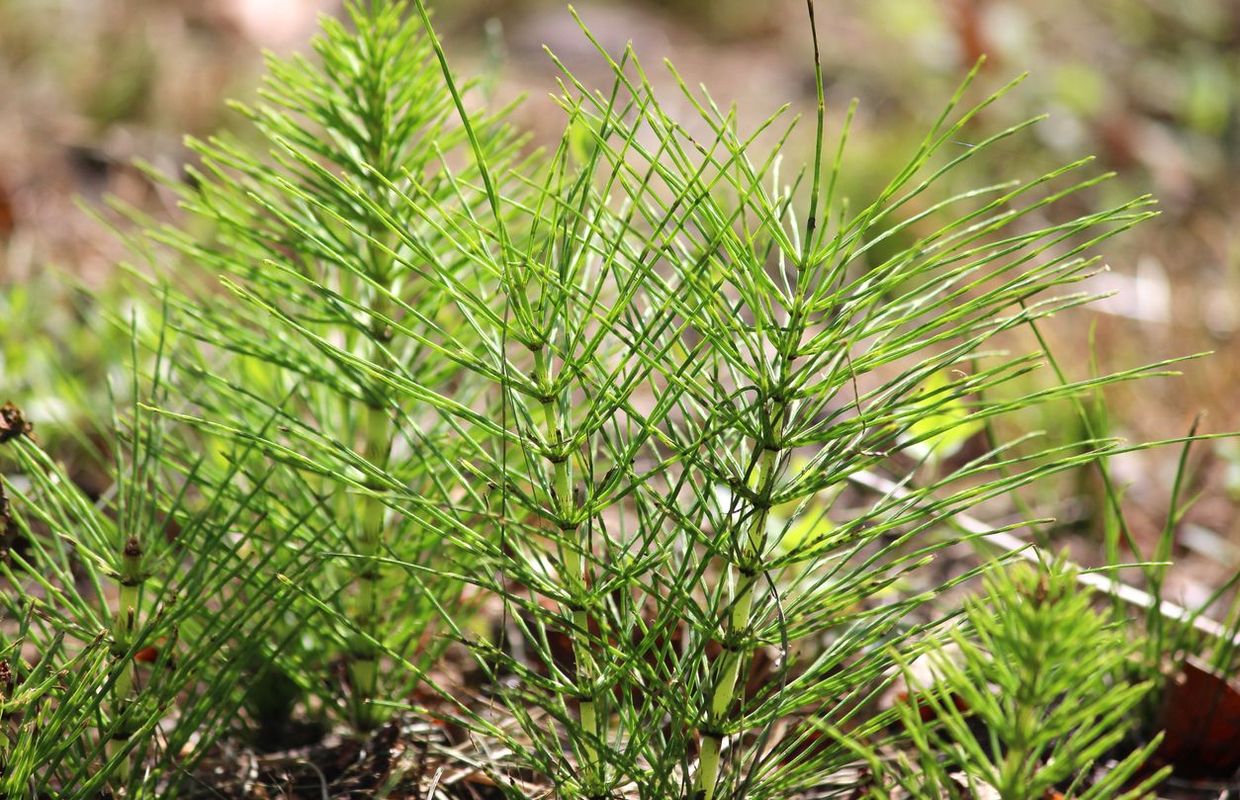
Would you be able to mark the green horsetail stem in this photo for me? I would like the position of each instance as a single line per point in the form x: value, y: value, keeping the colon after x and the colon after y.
x: 574, y: 577
x: 735, y: 650
x: 363, y: 664
x: 124, y: 623
x: 377, y: 448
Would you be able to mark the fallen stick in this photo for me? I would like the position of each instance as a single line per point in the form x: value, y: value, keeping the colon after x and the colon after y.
x: 1030, y: 552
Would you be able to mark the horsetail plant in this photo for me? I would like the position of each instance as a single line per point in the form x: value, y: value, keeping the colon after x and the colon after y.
x: 626, y: 386
x: 315, y: 234
x: 127, y: 603
x: 1041, y: 676
x: 733, y: 339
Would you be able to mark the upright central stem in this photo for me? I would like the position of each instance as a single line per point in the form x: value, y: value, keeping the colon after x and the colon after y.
x: 363, y: 666
x: 743, y: 574
x: 734, y: 648
x: 124, y: 624
x: 574, y: 575
x: 382, y: 152
x: 376, y: 423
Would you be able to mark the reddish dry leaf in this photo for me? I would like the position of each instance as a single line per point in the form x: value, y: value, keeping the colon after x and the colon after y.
x: 966, y: 20
x: 1201, y: 720
x: 8, y: 220
x: 925, y: 710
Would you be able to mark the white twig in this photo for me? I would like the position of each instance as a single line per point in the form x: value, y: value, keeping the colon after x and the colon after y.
x: 430, y: 793
x: 1030, y: 552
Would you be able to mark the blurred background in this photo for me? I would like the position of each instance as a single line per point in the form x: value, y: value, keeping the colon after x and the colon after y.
x: 1150, y: 87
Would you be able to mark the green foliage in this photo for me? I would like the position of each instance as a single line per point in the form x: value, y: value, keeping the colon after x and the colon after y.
x: 122, y: 606
x: 1171, y: 633
x: 329, y: 319
x: 628, y: 389
x: 601, y: 364
x: 1029, y: 696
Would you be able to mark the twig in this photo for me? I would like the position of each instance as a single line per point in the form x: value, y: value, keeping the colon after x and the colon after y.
x: 322, y: 778
x: 430, y: 793
x: 1030, y: 552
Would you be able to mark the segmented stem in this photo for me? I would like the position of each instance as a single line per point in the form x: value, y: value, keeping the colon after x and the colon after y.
x: 744, y: 573
x: 124, y: 624
x: 727, y: 667
x: 363, y: 664
x: 574, y: 575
